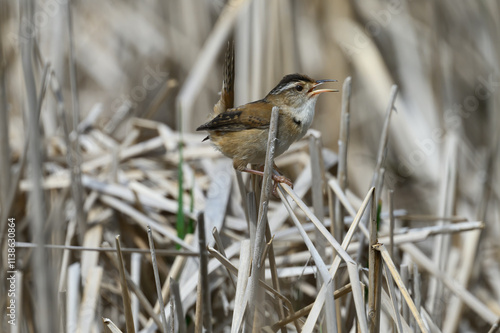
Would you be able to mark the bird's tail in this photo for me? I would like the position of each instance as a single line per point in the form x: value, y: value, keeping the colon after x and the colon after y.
x: 226, y: 100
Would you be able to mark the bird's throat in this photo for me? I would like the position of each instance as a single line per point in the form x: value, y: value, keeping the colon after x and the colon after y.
x: 304, y: 115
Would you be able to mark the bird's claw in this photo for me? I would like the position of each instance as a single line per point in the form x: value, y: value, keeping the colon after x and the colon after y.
x: 280, y: 179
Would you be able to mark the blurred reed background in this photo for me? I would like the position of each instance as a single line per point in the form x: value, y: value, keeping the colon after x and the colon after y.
x: 110, y: 61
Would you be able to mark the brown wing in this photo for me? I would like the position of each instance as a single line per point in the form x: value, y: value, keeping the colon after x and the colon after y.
x: 252, y: 115
x: 226, y: 100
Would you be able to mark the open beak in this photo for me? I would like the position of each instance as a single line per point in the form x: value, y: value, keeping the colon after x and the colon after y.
x: 319, y: 91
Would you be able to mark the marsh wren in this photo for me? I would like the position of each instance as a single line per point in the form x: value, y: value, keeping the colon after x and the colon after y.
x: 241, y: 133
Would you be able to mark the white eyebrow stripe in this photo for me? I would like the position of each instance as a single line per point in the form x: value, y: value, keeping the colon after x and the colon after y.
x: 288, y: 86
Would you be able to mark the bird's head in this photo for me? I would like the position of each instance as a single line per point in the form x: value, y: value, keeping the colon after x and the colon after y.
x: 296, y: 91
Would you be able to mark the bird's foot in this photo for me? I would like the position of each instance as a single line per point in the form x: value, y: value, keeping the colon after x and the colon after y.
x: 277, y: 178
x: 280, y: 179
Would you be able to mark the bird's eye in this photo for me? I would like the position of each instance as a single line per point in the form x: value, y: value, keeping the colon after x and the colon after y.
x: 299, y: 87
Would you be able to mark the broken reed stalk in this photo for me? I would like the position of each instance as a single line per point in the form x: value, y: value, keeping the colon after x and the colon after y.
x: 135, y: 274
x: 405, y: 310
x: 220, y: 246
x: 417, y: 292
x: 176, y: 296
x: 391, y: 223
x: 317, y: 188
x: 172, y: 315
x: 127, y: 309
x: 401, y: 286
x: 198, y: 320
x: 381, y: 154
x: 240, y: 303
x: 394, y: 300
x: 254, y: 299
x: 244, y: 198
x: 205, y: 285
x: 157, y: 279
x: 384, y: 139
x: 345, y: 116
x: 274, y: 275
x: 252, y: 216
x: 375, y: 272
x: 109, y: 326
